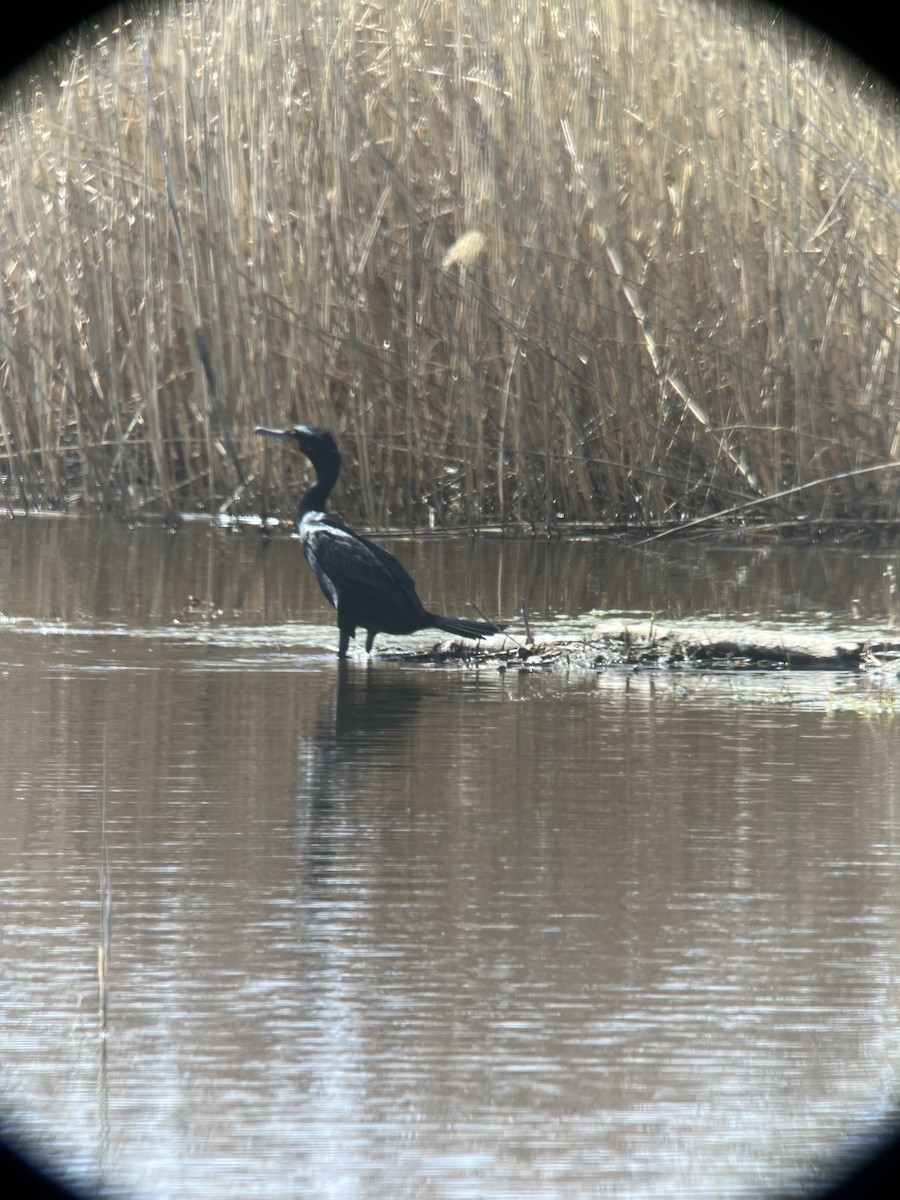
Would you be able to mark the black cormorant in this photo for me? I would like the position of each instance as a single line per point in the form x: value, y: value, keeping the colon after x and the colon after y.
x: 366, y: 585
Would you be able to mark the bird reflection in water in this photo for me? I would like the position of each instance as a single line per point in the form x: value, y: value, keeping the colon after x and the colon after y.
x: 366, y: 729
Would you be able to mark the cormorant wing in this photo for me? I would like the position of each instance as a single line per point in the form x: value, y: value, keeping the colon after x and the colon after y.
x: 351, y: 562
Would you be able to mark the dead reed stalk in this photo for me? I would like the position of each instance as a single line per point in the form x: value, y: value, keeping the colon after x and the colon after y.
x: 103, y: 949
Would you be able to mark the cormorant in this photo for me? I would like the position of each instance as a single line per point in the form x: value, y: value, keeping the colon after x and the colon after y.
x: 366, y: 585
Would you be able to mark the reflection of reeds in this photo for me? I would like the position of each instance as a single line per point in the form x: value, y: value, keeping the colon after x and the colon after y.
x: 637, y: 265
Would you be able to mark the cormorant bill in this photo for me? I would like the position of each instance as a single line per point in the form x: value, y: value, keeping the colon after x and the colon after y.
x: 366, y: 585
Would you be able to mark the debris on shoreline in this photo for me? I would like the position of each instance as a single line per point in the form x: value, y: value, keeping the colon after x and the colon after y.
x: 702, y: 645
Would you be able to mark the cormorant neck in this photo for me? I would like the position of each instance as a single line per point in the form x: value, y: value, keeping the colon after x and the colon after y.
x: 327, y: 470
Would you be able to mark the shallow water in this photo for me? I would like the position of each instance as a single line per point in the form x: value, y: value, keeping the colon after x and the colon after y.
x: 396, y: 930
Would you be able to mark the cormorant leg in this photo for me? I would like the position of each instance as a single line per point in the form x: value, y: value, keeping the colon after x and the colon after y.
x: 344, y: 642
x: 370, y: 638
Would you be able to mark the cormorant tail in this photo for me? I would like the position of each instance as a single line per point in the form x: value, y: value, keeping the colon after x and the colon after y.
x: 463, y: 628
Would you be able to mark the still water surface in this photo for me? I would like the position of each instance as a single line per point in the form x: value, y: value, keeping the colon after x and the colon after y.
x: 394, y: 930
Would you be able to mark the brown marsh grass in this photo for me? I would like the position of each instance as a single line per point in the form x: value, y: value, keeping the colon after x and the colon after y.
x: 610, y: 262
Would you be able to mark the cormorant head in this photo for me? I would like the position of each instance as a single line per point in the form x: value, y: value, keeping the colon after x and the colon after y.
x: 318, y: 445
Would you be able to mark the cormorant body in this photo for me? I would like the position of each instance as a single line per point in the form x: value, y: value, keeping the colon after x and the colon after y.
x: 367, y: 586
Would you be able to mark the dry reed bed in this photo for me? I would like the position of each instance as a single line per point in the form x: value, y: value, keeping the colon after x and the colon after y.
x: 680, y: 293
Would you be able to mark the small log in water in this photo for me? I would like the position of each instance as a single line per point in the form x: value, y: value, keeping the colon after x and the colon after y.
x: 741, y: 646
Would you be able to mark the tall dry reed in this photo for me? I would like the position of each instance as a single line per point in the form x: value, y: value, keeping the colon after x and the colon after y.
x: 610, y: 261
